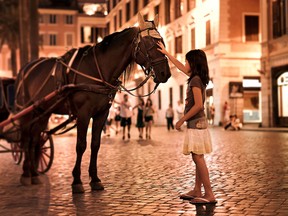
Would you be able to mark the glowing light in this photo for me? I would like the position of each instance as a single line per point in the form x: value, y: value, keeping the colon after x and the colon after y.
x: 99, y: 39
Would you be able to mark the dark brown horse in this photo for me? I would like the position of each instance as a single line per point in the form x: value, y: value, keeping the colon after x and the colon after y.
x: 94, y: 72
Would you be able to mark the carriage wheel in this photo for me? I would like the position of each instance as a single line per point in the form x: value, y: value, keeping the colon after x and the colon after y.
x: 16, y: 152
x: 46, y: 153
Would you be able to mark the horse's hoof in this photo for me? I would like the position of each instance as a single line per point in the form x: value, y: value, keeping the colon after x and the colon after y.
x: 77, y: 188
x: 26, y: 181
x: 36, y: 180
x: 96, y: 186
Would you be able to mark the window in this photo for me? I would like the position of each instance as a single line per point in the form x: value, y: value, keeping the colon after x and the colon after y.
x: 69, y: 19
x: 128, y: 9
x: 69, y: 39
x: 145, y: 2
x: 120, y: 18
x: 280, y: 18
x: 41, y: 39
x: 52, y: 39
x: 178, y: 44
x: 179, y: 8
x: 171, y: 95
x: 136, y: 6
x: 52, y: 19
x: 156, y: 10
x: 193, y: 38
x: 167, y: 11
x: 41, y: 18
x: 251, y: 28
x: 208, y: 33
x: 191, y: 4
x: 159, y: 100
x: 115, y: 23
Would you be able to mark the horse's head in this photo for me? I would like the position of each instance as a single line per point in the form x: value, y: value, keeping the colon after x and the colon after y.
x: 146, y: 53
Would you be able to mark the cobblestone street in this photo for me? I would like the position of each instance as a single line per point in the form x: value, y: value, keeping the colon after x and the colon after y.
x: 248, y: 170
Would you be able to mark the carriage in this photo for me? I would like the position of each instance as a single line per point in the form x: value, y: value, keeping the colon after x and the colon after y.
x: 82, y: 84
x: 13, y: 146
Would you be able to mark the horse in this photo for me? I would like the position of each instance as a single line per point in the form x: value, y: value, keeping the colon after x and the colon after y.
x: 90, y: 79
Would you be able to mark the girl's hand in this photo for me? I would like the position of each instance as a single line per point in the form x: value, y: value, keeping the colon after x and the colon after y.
x: 161, y: 48
x: 178, y: 125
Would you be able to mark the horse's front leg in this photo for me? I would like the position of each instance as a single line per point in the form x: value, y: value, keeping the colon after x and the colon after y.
x: 82, y: 126
x: 97, y: 126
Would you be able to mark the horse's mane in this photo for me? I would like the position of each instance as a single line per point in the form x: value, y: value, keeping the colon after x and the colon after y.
x: 106, y: 42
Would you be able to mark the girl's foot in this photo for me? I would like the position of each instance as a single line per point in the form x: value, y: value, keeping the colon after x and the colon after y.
x: 190, y: 195
x: 128, y: 135
x: 123, y: 137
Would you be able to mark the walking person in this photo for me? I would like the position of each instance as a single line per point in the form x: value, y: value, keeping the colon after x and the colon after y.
x: 212, y: 113
x: 149, y: 111
x: 140, y: 117
x: 117, y: 119
x: 125, y: 114
x: 170, y: 117
x: 197, y: 141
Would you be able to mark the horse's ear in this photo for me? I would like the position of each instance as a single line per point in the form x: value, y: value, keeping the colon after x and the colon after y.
x: 156, y: 20
x: 141, y: 20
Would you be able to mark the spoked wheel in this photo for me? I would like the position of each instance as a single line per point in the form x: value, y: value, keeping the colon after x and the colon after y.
x: 46, y: 153
x: 17, y: 152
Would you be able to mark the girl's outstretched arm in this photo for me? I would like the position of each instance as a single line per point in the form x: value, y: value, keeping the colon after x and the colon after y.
x: 175, y: 61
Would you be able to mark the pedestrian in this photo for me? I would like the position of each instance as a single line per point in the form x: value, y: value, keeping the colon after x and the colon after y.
x: 212, y: 114
x: 108, y: 122
x: 117, y: 119
x: 169, y: 117
x: 226, y: 111
x: 149, y: 111
x: 197, y: 139
x: 140, y: 117
x: 125, y: 114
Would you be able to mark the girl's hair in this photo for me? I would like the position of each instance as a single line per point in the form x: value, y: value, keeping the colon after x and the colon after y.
x: 198, y: 64
x: 150, y: 102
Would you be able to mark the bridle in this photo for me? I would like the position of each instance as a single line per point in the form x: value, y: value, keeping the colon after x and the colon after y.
x: 138, y: 52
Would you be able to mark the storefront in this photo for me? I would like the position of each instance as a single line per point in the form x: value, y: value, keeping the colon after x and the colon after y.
x: 280, y: 96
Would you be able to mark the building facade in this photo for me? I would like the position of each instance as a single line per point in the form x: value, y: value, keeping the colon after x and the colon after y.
x: 274, y: 63
x: 231, y: 32
x: 227, y: 30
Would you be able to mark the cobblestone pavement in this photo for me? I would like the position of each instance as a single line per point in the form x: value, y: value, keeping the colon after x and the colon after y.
x: 248, y: 170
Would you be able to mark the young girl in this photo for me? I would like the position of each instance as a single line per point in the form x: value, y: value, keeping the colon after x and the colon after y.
x: 197, y: 138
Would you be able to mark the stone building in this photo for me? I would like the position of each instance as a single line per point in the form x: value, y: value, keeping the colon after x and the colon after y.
x: 231, y: 32
x: 274, y: 63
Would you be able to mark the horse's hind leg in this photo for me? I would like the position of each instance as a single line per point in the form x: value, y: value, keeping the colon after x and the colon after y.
x: 82, y: 126
x: 98, y: 124
x: 25, y: 143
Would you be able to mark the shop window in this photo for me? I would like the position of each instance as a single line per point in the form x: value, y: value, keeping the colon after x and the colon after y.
x: 282, y: 88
